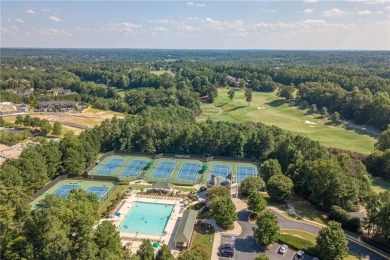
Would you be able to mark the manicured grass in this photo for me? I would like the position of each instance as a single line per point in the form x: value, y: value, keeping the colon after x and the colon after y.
x: 185, y: 189
x: 380, y: 185
x: 300, y: 234
x: 140, y: 186
x: 298, y: 240
x: 286, y: 117
x: 307, y: 210
x: 302, y: 240
x: 202, y: 238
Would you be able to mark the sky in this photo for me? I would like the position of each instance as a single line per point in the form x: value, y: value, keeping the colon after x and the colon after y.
x: 290, y: 24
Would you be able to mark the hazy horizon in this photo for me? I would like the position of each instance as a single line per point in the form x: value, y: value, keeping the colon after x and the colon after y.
x: 209, y: 25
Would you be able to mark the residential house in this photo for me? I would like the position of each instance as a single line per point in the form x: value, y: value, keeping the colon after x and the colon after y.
x: 59, y: 106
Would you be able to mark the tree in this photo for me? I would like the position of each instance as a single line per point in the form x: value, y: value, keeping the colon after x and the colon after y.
x: 164, y: 253
x: 1, y: 121
x: 197, y: 252
x: 383, y: 141
x: 27, y: 121
x: 262, y: 256
x: 19, y: 120
x: 256, y: 202
x: 108, y: 241
x: 331, y: 242
x: 45, y: 127
x: 57, y: 128
x: 335, y: 117
x: 279, y: 187
x: 217, y: 192
x: 324, y: 112
x: 248, y: 95
x: 267, y: 228
x: 231, y: 94
x: 251, y: 184
x: 224, y: 211
x: 146, y: 251
x: 286, y: 92
x: 270, y: 168
x: 313, y: 108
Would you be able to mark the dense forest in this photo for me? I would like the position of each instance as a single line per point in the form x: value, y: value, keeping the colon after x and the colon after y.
x: 161, y: 118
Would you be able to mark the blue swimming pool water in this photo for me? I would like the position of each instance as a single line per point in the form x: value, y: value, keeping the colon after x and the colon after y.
x: 147, y: 218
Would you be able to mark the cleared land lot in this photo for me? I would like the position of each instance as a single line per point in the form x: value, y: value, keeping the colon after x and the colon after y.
x: 268, y: 109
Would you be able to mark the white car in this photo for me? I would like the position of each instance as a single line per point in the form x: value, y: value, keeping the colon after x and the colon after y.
x: 283, y: 249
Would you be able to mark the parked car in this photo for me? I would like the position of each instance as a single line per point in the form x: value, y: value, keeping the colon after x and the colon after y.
x: 283, y: 249
x: 224, y: 246
x: 299, y: 255
x: 227, y: 251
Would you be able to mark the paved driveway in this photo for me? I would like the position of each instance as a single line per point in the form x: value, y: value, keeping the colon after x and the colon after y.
x: 247, y: 249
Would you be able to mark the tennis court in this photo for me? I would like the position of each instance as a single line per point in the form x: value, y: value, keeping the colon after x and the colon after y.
x: 163, y: 169
x: 110, y: 166
x: 134, y: 168
x: 222, y: 170
x: 188, y: 171
x: 65, y: 189
x: 99, y: 191
x: 245, y: 171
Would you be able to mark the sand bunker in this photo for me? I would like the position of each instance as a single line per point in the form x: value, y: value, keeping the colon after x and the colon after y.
x: 263, y: 107
x: 309, y: 122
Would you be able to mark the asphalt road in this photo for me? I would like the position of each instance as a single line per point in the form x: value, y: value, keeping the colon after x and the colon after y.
x: 247, y: 249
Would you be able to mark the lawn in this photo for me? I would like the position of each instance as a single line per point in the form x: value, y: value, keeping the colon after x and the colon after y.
x: 307, y: 210
x: 268, y: 109
x: 160, y: 72
x: 202, y: 238
x: 139, y: 186
x: 380, y: 185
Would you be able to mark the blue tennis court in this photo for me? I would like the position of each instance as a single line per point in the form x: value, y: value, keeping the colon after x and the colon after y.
x: 110, y: 166
x: 99, y: 191
x: 222, y: 170
x: 134, y: 168
x: 163, y: 170
x: 65, y: 189
x: 188, y: 171
x: 245, y: 171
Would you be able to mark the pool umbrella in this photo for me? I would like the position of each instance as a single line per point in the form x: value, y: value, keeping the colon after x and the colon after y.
x: 156, y: 244
x: 117, y: 214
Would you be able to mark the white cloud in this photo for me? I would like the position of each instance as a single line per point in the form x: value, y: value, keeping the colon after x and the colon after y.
x: 223, y: 25
x: 310, y: 1
x: 269, y: 11
x: 160, y: 29
x: 364, y: 12
x: 334, y: 12
x: 161, y: 21
x: 371, y: 2
x: 51, y: 32
x: 122, y: 28
x: 188, y: 28
x: 30, y: 11
x: 19, y: 20
x: 308, y: 11
x: 46, y: 10
x: 195, y: 4
x: 54, y: 19
x: 387, y: 8
x: 309, y: 21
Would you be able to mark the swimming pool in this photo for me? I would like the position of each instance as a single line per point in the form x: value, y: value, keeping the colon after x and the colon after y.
x: 147, y: 218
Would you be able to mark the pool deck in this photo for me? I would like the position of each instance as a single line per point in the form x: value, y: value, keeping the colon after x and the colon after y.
x: 133, y: 240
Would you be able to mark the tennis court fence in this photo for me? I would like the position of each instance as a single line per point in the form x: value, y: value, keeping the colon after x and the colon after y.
x: 51, y: 184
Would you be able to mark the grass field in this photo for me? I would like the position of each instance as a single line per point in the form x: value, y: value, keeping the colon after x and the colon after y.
x: 380, y: 185
x: 286, y: 117
x: 307, y: 210
x: 201, y: 238
x: 160, y: 72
